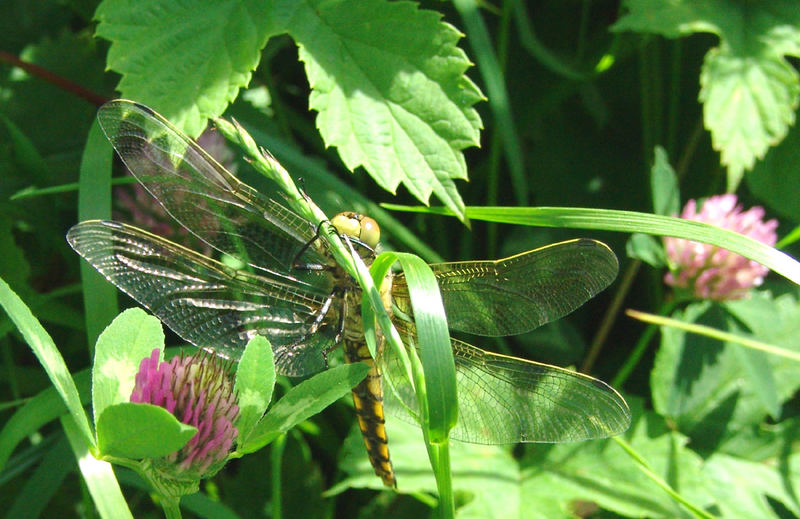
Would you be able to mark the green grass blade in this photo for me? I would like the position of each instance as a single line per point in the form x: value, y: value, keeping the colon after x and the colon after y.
x: 493, y: 76
x: 45, y: 481
x: 36, y: 192
x: 434, y: 343
x: 45, y: 350
x: 631, y: 221
x: 94, y: 202
x: 720, y: 335
x: 37, y: 411
x: 98, y: 475
x: 646, y: 470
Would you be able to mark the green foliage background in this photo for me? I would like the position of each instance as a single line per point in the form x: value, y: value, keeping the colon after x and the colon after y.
x: 375, y: 102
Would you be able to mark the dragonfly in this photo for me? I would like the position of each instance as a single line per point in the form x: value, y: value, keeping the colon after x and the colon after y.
x: 269, y: 274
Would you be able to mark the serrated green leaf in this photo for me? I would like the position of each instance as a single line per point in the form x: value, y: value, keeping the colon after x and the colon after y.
x: 255, y: 380
x: 186, y: 60
x: 388, y: 82
x: 750, y: 92
x: 131, y: 337
x: 136, y: 431
x: 774, y: 179
x: 749, y: 104
x: 303, y: 401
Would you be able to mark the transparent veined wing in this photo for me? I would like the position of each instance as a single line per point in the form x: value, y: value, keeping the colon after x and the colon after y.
x: 204, y: 197
x: 211, y: 305
x: 520, y: 293
x: 504, y: 399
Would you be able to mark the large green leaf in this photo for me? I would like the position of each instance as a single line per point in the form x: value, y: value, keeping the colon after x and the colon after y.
x: 599, y: 473
x: 185, y: 60
x: 743, y: 488
x: 748, y: 105
x: 749, y: 91
x: 387, y: 78
x: 388, y: 82
x: 706, y: 387
x: 131, y: 337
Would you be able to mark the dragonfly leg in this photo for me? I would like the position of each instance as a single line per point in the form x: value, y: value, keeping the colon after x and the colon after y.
x: 339, y: 327
x: 296, y: 264
x: 319, y: 320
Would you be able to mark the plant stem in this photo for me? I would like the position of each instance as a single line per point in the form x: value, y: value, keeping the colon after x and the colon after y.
x: 647, y: 471
x: 610, y: 316
x: 638, y: 350
x: 444, y: 483
x: 278, y: 446
x: 171, y: 507
x: 54, y: 79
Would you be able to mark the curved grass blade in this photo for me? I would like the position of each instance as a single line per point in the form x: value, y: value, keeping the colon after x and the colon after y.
x: 632, y: 222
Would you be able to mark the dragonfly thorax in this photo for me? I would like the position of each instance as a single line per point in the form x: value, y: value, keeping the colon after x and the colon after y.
x: 358, y: 226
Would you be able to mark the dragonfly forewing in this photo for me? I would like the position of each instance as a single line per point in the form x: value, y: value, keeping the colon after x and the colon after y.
x: 204, y: 197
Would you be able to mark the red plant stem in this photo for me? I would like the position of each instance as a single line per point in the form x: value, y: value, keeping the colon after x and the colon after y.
x: 63, y: 83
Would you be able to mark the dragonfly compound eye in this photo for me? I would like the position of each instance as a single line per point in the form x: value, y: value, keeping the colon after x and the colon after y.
x: 358, y: 226
x: 370, y: 232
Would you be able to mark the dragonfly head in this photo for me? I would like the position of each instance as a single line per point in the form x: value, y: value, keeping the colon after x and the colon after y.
x: 358, y: 226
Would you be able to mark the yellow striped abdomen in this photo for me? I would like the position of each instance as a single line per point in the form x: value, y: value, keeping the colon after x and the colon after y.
x: 368, y: 394
x: 368, y: 400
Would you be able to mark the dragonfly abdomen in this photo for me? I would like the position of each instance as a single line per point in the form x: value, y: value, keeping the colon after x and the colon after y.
x: 368, y: 401
x: 368, y: 394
